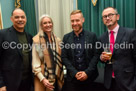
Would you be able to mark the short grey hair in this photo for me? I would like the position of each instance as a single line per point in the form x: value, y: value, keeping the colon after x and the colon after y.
x: 116, y: 11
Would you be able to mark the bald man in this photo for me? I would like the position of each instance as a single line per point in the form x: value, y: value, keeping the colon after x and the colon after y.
x: 15, y: 55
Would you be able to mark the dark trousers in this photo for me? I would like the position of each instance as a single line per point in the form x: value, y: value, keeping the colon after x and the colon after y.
x: 26, y: 85
x: 69, y: 86
x: 114, y: 86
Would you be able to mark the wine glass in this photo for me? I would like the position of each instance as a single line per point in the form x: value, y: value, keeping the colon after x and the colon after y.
x: 52, y: 81
x: 108, y: 53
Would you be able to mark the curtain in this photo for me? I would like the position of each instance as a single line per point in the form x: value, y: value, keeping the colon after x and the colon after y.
x: 29, y: 8
x: 60, y: 11
x: 1, y: 22
x: 37, y: 14
x: 93, y: 14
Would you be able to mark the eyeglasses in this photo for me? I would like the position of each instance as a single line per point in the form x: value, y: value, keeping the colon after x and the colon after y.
x: 109, y: 15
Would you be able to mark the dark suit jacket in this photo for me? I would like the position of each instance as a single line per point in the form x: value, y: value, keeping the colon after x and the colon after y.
x: 124, y: 62
x: 11, y: 60
x: 91, y: 57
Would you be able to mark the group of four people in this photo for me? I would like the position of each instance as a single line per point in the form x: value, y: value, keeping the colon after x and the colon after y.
x: 47, y: 57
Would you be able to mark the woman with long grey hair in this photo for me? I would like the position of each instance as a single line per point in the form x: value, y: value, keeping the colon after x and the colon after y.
x: 46, y: 63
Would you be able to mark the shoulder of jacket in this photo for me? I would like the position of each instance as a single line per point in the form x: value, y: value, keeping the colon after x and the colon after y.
x: 90, y: 34
x: 68, y: 34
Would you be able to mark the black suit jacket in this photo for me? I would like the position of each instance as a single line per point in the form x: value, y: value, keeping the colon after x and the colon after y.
x: 11, y: 60
x: 91, y: 58
x: 124, y: 62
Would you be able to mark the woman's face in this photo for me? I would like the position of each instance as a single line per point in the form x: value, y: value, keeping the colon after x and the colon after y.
x: 46, y: 25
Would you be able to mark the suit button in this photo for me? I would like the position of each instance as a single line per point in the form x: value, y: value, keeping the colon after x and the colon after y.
x: 79, y: 65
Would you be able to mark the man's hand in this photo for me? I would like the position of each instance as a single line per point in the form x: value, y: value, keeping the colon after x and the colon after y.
x: 78, y: 75
x: 3, y: 88
x: 82, y: 76
x: 104, y: 57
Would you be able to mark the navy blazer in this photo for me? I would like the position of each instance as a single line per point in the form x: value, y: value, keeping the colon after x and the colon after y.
x: 124, y: 62
x: 91, y: 57
x: 11, y: 60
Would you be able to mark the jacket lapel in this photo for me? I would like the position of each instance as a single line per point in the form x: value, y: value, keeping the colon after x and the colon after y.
x: 71, y: 41
x: 106, y: 40
x: 118, y: 38
x: 15, y: 39
x: 86, y: 40
x: 29, y: 40
x: 86, y: 37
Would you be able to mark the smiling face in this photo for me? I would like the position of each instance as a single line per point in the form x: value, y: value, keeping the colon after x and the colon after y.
x: 77, y: 21
x: 19, y: 19
x: 46, y: 25
x: 110, y: 18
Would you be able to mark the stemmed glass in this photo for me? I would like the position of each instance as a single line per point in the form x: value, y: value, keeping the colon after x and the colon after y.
x: 52, y: 81
x: 108, y: 53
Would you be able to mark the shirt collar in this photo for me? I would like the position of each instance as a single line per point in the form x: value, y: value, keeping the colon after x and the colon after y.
x: 80, y: 34
x: 115, y: 30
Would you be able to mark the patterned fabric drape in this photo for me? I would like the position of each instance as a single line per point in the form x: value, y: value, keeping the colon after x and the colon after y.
x: 1, y: 23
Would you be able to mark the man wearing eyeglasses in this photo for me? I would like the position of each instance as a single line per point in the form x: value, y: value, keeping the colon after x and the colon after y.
x: 120, y: 73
